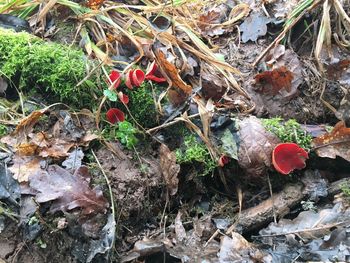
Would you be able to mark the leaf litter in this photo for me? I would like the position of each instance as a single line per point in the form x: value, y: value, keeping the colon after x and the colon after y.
x: 179, y: 225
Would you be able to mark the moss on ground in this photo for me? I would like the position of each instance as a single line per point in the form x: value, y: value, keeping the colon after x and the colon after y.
x: 29, y: 62
x: 195, y: 151
x: 142, y: 105
x: 289, y: 131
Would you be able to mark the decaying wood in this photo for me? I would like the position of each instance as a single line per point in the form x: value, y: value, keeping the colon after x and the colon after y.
x: 260, y: 215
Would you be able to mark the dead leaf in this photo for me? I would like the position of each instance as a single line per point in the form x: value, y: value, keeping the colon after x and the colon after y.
x: 213, y: 83
x: 253, y: 27
x: 335, y: 70
x: 271, y: 82
x: 179, y: 228
x: 24, y: 166
x: 26, y: 124
x: 170, y: 168
x: 256, y: 146
x: 171, y: 73
x: 333, y: 144
x: 67, y: 191
x: 207, y: 23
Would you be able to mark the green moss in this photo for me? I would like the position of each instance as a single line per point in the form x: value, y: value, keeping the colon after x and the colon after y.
x: 30, y: 62
x: 289, y: 131
x: 195, y: 152
x: 345, y: 188
x: 142, y: 106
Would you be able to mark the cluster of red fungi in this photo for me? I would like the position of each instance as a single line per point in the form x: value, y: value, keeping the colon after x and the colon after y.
x: 286, y: 157
x: 133, y: 78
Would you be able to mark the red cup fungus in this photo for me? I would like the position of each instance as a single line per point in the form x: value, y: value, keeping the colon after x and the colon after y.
x: 114, y: 77
x: 134, y: 78
x: 115, y: 115
x: 153, y: 74
x: 286, y: 157
x: 123, y: 98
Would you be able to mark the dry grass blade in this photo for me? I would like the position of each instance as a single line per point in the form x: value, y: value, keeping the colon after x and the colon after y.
x: 324, y: 34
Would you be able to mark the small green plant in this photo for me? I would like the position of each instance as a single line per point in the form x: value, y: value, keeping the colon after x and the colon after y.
x: 126, y: 134
x: 289, y: 131
x: 308, y: 205
x: 3, y: 130
x: 195, y: 151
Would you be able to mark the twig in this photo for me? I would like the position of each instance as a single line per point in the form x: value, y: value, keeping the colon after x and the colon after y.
x: 305, y: 230
x: 164, y: 125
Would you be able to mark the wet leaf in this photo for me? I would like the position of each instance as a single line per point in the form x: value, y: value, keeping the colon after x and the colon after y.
x: 230, y: 144
x: 333, y: 144
x: 110, y: 94
x: 159, y: 23
x: 170, y: 168
x: 105, y: 243
x: 74, y: 159
x: 9, y: 188
x: 272, y: 81
x: 256, y: 146
x: 253, y: 27
x: 67, y: 191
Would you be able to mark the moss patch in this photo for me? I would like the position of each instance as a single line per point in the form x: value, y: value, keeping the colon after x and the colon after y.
x: 30, y: 62
x: 289, y: 131
x: 142, y: 105
x: 193, y: 152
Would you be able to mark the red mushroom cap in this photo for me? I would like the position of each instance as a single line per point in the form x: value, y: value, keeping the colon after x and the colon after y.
x: 128, y: 79
x: 153, y: 74
x: 223, y: 160
x: 138, y: 76
x: 288, y: 156
x: 123, y: 98
x: 115, y: 115
x: 114, y: 77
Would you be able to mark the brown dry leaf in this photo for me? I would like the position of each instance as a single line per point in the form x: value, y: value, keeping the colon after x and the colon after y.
x: 256, y: 146
x: 207, y: 23
x: 176, y: 97
x: 57, y: 148
x: 172, y: 73
x: 333, y: 144
x: 280, y: 57
x: 272, y: 81
x: 67, y: 191
x: 26, y: 124
x: 335, y: 70
x: 213, y: 83
x: 24, y: 166
x: 170, y: 168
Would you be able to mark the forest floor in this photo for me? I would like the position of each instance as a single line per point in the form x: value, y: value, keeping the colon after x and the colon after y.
x: 174, y: 131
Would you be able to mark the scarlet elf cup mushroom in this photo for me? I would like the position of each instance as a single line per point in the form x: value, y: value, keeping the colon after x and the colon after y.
x: 286, y: 157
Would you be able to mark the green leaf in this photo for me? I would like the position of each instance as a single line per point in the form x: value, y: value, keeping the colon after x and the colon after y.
x: 111, y: 95
x: 229, y: 144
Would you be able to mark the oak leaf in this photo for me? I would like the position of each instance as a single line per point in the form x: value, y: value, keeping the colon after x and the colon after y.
x: 333, y: 144
x: 67, y: 191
